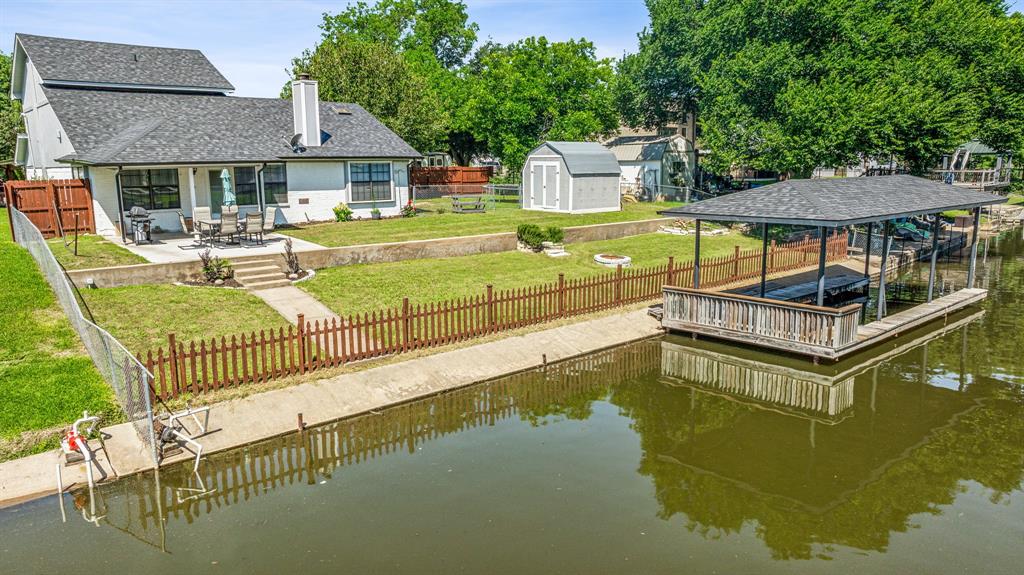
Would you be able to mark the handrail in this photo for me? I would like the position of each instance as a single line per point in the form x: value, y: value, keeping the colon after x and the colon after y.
x: 797, y: 327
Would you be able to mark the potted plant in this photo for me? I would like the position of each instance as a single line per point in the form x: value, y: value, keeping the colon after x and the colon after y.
x: 375, y: 213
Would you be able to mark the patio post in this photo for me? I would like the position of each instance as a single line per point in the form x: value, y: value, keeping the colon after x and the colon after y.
x: 974, y: 248
x: 881, y: 271
x: 867, y: 251
x: 823, y: 232
x: 696, y: 257
x: 764, y: 255
x: 192, y: 195
x: 935, y: 256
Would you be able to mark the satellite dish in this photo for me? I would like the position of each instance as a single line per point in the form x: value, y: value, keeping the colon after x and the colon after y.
x: 295, y: 144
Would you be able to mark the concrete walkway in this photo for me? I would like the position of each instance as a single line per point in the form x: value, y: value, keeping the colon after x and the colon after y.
x: 264, y: 415
x: 290, y: 301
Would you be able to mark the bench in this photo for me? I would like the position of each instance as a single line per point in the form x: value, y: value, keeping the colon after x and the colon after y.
x: 467, y: 204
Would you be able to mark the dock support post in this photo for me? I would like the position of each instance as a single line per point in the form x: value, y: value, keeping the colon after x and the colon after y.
x: 696, y: 257
x: 823, y: 232
x: 764, y: 255
x: 974, y: 248
x: 881, y: 272
x: 936, y: 226
x: 867, y: 251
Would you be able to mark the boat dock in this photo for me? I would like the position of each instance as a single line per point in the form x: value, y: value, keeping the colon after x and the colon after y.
x: 803, y: 287
x: 820, y: 332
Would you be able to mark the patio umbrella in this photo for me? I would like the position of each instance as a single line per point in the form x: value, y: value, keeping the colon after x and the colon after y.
x: 229, y: 193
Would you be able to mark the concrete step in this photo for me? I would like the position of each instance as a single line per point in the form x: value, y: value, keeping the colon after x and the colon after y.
x: 256, y: 278
x: 263, y: 270
x: 256, y: 264
x: 268, y: 284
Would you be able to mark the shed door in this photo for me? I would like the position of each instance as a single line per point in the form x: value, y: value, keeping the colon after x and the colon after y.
x: 544, y: 184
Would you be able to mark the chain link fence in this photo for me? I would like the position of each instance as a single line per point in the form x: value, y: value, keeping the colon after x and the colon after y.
x: 494, y: 196
x: 130, y: 380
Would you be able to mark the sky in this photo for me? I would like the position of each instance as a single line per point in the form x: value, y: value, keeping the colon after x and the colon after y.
x: 252, y: 42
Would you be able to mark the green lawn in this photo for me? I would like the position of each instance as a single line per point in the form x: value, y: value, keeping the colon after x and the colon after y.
x: 46, y: 378
x: 141, y: 316
x: 431, y: 223
x: 367, y: 287
x: 93, y: 252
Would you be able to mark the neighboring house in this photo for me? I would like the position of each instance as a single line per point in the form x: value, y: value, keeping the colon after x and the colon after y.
x: 572, y: 177
x: 662, y: 165
x: 154, y: 127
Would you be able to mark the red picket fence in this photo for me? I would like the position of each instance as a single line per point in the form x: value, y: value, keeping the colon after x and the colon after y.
x: 208, y: 365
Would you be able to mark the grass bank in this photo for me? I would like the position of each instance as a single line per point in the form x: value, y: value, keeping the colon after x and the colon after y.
x: 436, y: 221
x: 367, y: 287
x: 141, y: 316
x: 93, y: 252
x: 46, y: 378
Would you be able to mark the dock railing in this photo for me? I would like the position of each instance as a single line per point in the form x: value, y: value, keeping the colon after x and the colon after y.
x: 801, y: 328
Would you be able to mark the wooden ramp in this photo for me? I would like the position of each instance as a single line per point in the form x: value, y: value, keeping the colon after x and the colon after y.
x: 898, y: 323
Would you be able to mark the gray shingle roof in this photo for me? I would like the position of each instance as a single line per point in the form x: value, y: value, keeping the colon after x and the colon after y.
x: 834, y: 202
x: 585, y: 158
x: 62, y: 60
x: 125, y: 128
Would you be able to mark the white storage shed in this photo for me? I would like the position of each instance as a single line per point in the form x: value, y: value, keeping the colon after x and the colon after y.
x: 571, y: 177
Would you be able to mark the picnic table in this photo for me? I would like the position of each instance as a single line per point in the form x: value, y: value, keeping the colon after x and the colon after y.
x: 468, y: 204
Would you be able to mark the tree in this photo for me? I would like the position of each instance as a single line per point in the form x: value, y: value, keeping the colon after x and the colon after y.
x: 795, y: 84
x: 10, y: 111
x: 379, y: 80
x: 534, y: 90
x: 438, y: 28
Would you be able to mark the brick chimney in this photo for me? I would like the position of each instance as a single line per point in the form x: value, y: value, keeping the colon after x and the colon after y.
x: 306, y: 110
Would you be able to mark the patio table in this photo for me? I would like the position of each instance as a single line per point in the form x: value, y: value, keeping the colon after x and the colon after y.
x: 208, y: 228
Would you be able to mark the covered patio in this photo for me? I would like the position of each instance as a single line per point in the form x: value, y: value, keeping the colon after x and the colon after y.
x: 827, y: 206
x: 175, y: 247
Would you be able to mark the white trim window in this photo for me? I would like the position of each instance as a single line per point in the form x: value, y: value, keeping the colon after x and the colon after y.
x: 371, y: 182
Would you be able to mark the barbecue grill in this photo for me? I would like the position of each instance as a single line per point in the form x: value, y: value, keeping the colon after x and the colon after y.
x: 141, y: 223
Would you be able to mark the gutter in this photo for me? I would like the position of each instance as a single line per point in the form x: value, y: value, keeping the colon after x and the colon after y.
x: 120, y: 206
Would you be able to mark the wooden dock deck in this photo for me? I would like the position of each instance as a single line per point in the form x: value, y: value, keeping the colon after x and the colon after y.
x: 820, y: 332
x: 803, y: 286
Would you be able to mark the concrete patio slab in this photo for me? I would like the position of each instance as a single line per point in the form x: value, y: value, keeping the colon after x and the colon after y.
x: 172, y: 248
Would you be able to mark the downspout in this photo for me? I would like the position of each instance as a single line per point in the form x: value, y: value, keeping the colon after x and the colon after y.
x: 120, y: 207
x: 260, y: 201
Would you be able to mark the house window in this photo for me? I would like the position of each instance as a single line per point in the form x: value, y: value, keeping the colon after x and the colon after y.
x: 150, y: 189
x: 371, y: 182
x: 275, y: 184
x: 245, y: 186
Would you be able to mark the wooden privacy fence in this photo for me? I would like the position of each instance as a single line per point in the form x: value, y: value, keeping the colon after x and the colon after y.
x: 202, y: 366
x: 55, y: 207
x: 449, y: 175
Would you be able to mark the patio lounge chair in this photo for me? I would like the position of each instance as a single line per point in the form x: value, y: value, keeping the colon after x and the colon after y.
x: 269, y: 219
x: 228, y: 225
x: 254, y: 227
x: 196, y: 235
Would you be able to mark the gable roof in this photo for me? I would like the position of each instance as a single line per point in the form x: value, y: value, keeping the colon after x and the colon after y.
x: 67, y: 62
x: 834, y: 202
x: 136, y: 128
x: 639, y: 148
x: 585, y: 158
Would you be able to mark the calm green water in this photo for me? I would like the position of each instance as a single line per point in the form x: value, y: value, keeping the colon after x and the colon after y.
x: 665, y: 456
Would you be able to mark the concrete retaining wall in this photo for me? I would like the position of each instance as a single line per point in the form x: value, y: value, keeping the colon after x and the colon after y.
x: 163, y: 273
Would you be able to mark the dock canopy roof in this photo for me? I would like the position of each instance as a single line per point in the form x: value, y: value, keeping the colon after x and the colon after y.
x: 836, y: 202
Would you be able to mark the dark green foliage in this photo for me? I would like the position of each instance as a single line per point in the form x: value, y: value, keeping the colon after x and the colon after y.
x: 215, y: 268
x: 554, y: 234
x: 531, y: 235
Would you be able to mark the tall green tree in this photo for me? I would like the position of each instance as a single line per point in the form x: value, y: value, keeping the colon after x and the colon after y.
x: 379, y: 80
x: 533, y: 90
x: 10, y: 111
x: 794, y: 84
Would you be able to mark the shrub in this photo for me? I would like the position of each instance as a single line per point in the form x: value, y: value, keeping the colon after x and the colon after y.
x: 531, y: 235
x: 408, y: 211
x: 342, y: 213
x: 291, y: 259
x: 215, y: 268
x: 555, y: 235
x: 441, y: 210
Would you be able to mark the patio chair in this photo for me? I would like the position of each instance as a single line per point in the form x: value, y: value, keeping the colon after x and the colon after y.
x: 269, y: 220
x: 232, y: 209
x: 228, y: 225
x: 201, y: 214
x: 254, y: 226
x: 197, y: 236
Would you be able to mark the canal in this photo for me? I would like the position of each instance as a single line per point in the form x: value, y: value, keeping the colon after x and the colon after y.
x: 667, y: 455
